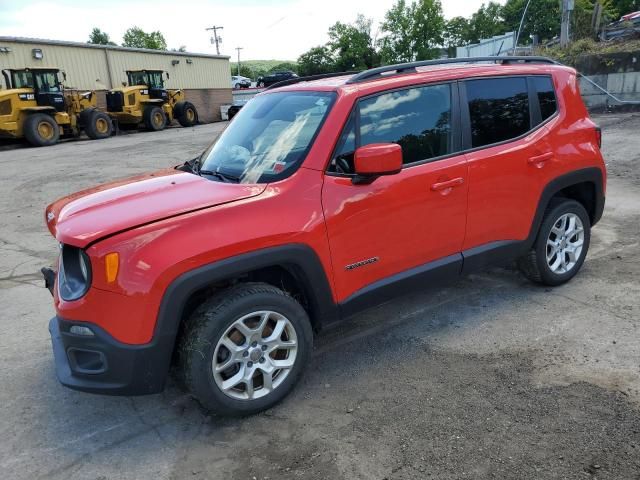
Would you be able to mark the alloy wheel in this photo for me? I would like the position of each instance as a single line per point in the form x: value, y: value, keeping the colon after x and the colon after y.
x: 565, y: 243
x: 255, y: 355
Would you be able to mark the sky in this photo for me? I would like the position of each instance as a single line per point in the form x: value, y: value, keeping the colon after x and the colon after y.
x: 265, y: 29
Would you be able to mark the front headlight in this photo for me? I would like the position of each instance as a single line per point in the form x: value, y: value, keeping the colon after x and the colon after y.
x: 74, y: 273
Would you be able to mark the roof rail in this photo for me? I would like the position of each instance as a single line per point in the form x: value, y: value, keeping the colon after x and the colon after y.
x: 411, y: 66
x: 309, y: 78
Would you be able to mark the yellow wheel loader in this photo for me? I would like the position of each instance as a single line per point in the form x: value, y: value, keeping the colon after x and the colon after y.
x: 145, y: 100
x: 35, y: 106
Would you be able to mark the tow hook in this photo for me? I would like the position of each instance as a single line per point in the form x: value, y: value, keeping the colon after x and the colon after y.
x: 49, y: 278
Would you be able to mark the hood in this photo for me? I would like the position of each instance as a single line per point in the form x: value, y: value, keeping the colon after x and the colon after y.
x: 89, y: 215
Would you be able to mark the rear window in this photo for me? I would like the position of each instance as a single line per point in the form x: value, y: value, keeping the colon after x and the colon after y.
x: 498, y: 109
x: 546, y: 95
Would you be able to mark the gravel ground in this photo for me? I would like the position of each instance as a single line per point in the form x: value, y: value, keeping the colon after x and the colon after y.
x: 491, y: 378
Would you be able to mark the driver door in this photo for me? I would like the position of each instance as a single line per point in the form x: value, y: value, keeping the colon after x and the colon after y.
x: 399, y: 227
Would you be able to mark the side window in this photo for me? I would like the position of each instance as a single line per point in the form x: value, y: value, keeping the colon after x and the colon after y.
x: 546, y: 95
x: 418, y: 119
x: 342, y: 161
x: 498, y: 109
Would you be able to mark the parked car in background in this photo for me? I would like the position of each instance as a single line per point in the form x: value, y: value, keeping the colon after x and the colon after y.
x: 238, y: 81
x: 275, y: 77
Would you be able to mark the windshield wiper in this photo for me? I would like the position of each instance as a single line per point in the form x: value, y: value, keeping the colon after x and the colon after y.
x: 225, y: 177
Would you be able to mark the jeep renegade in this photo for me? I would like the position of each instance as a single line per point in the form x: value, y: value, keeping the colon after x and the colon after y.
x: 323, y: 197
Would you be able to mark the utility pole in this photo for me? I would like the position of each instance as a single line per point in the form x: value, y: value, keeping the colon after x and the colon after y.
x: 565, y: 35
x: 216, y: 38
x: 238, y: 49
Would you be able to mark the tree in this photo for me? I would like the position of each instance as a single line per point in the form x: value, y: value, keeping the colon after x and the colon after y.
x: 542, y: 19
x: 315, y: 61
x: 412, y: 32
x: 137, y: 38
x: 98, y: 37
x: 352, y: 45
x: 487, y: 22
x: 285, y: 66
x: 457, y: 32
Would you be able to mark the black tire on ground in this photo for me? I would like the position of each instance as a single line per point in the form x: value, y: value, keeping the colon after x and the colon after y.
x: 261, y: 85
x: 98, y: 125
x: 41, y: 130
x: 233, y: 111
x: 85, y: 116
x: 154, y: 118
x: 186, y: 114
x: 534, y: 263
x: 211, y: 320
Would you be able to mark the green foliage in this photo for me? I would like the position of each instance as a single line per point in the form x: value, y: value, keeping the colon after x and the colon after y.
x: 457, y: 32
x: 315, y: 61
x: 486, y: 22
x: 412, y: 31
x: 98, y: 37
x: 587, y: 46
x: 137, y: 38
x: 542, y: 19
x: 352, y: 46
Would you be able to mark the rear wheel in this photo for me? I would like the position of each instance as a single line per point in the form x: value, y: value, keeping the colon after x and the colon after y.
x: 98, y: 125
x: 41, y: 130
x: 154, y: 118
x: 186, y: 114
x: 243, y: 350
x: 561, y: 246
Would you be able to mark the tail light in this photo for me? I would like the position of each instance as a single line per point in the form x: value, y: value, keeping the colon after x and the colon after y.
x: 599, y: 136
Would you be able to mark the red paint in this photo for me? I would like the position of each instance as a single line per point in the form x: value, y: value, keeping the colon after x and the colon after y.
x: 168, y: 223
x: 378, y: 159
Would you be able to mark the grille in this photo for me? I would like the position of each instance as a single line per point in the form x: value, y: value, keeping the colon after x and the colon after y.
x: 5, y: 107
x: 115, y: 101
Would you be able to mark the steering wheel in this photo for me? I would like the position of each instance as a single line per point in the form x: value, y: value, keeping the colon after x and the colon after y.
x: 343, y: 166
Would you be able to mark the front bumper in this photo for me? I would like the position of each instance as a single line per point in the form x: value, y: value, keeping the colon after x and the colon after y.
x: 100, y: 364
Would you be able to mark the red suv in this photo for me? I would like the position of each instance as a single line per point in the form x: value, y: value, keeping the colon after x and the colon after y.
x: 322, y: 198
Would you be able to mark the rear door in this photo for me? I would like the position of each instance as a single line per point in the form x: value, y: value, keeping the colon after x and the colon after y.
x: 507, y: 153
x: 389, y: 230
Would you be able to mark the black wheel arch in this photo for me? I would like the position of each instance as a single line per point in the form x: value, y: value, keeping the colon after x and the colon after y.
x: 585, y: 186
x: 299, y: 260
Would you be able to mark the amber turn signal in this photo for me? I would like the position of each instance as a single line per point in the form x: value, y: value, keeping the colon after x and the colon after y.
x: 111, y: 264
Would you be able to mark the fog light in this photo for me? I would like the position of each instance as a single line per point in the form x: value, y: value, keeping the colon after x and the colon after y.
x: 78, y: 330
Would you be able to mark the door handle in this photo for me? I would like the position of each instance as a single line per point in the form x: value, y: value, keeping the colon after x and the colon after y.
x: 539, y: 159
x: 447, y: 184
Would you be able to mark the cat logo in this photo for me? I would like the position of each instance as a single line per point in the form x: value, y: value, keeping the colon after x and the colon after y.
x: 144, y: 92
x: 27, y: 96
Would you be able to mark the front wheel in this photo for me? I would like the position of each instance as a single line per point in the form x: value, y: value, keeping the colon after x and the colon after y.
x: 260, y: 84
x: 154, y: 118
x: 41, y: 130
x: 98, y: 126
x: 561, y: 245
x: 244, y: 349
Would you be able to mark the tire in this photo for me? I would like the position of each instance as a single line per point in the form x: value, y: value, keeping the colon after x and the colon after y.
x: 154, y: 119
x: 555, y: 257
x: 201, y: 346
x: 186, y: 114
x: 233, y: 111
x: 41, y: 130
x: 261, y: 85
x: 98, y: 125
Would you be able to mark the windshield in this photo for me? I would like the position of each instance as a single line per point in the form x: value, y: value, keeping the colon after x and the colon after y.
x: 22, y: 80
x: 269, y: 137
x: 149, y: 79
x: 47, y: 82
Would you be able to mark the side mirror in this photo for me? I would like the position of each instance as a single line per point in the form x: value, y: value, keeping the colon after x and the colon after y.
x: 375, y: 160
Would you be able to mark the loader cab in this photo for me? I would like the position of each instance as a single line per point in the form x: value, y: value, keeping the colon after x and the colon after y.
x: 45, y: 83
x: 153, y: 79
